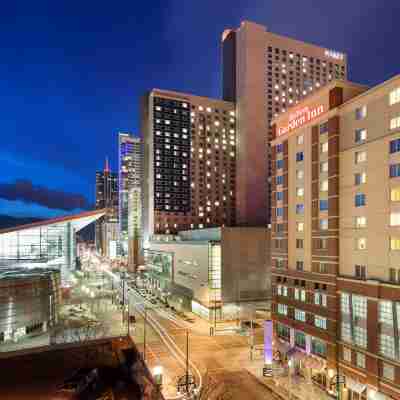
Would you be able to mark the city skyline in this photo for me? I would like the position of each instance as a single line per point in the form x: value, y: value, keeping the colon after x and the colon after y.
x: 65, y: 96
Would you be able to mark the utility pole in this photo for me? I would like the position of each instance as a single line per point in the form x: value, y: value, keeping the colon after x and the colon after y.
x: 187, y: 361
x: 144, y: 333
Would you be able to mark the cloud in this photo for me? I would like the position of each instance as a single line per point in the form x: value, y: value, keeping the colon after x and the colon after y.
x: 26, y: 192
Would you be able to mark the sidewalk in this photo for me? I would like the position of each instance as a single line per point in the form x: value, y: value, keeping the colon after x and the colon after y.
x: 300, y: 388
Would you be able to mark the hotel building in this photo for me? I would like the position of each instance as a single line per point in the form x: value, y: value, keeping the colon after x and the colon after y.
x: 336, y: 237
x: 189, y: 162
x: 264, y: 74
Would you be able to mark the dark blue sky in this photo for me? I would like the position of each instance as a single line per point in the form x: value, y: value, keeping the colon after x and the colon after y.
x: 72, y: 73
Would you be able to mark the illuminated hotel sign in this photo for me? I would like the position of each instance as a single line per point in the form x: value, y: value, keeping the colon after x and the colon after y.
x: 300, y: 117
x: 334, y: 54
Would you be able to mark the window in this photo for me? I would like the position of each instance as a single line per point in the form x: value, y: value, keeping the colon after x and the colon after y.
x: 318, y: 347
x: 300, y: 192
x: 299, y: 208
x: 279, y: 227
x: 346, y: 355
x: 279, y: 164
x: 360, y: 156
x: 394, y: 96
x: 323, y: 166
x: 394, y: 219
x: 283, y: 331
x: 299, y: 174
x: 394, y: 146
x: 394, y: 170
x: 324, y: 185
x: 324, y: 147
x: 279, y: 196
x: 299, y: 315
x: 360, y: 200
x: 387, y: 346
x: 360, y: 360
x: 279, y: 180
x: 395, y: 123
x: 388, y: 371
x: 395, y: 194
x: 282, y: 309
x: 320, y: 322
x: 360, y: 336
x: 279, y: 263
x: 323, y: 128
x: 323, y: 205
x: 323, y: 224
x: 360, y: 178
x: 360, y: 271
x: 361, y: 244
x: 300, y: 265
x: 394, y: 244
x: 320, y: 299
x: 300, y: 139
x: 360, y: 222
x: 299, y: 156
x: 394, y: 275
x: 279, y: 148
x: 360, y: 135
x: 279, y: 212
x: 299, y: 243
x: 300, y: 339
x: 300, y: 226
x: 300, y: 294
x: 361, y: 112
x: 322, y: 244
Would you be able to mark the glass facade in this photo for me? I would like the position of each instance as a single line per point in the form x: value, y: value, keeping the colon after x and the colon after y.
x: 214, y: 271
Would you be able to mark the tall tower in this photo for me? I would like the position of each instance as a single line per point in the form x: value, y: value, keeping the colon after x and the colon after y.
x: 107, y: 197
x: 265, y: 74
x: 129, y: 178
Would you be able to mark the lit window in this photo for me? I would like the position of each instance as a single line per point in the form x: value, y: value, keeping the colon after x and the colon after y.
x: 388, y: 371
x: 394, y: 96
x: 282, y: 309
x: 320, y: 299
x: 300, y: 315
x: 324, y: 166
x: 300, y: 174
x: 360, y: 156
x: 360, y: 222
x: 361, y: 243
x: 360, y: 178
x: 323, y: 224
x: 300, y: 226
x: 279, y: 196
x: 360, y: 135
x: 279, y: 180
x: 279, y: 212
x: 394, y: 244
x: 300, y: 139
x: 324, y: 185
x: 361, y: 112
x: 279, y: 164
x: 299, y: 208
x: 395, y: 194
x: 346, y: 354
x: 216, y: 123
x: 320, y: 322
x: 395, y: 123
x: 300, y: 192
x: 324, y: 147
x: 208, y: 109
x: 232, y: 113
x: 360, y: 200
x: 360, y: 360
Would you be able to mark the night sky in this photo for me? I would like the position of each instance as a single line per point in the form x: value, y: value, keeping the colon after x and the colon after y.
x: 72, y: 73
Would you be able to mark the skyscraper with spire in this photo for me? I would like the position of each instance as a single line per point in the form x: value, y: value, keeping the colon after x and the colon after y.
x: 107, y: 197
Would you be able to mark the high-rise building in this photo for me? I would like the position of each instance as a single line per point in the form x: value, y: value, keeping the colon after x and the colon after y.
x: 130, y: 172
x: 336, y: 237
x: 106, y: 231
x: 265, y: 74
x: 189, y: 162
